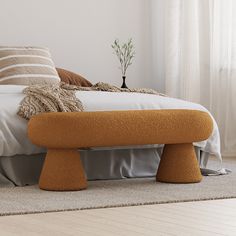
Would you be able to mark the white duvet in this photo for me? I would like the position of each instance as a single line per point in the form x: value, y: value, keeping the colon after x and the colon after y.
x: 13, y: 129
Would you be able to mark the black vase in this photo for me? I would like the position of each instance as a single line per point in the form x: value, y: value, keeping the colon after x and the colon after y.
x: 124, y: 84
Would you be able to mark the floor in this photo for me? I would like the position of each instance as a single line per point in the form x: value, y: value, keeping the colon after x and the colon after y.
x: 216, y: 217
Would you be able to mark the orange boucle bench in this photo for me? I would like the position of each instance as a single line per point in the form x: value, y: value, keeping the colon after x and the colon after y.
x: 63, y: 133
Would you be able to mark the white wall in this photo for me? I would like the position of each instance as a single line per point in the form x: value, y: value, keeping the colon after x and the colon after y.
x: 79, y: 34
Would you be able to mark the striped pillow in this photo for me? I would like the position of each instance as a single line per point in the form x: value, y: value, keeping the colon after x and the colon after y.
x: 26, y: 66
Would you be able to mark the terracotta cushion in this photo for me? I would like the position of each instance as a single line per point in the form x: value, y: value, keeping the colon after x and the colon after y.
x: 73, y: 78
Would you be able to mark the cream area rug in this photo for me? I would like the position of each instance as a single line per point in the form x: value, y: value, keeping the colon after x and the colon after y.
x: 116, y: 193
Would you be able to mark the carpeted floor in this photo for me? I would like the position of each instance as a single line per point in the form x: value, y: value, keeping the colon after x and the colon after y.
x: 101, y: 194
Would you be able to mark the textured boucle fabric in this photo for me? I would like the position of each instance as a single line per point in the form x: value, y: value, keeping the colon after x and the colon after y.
x: 118, y: 128
x: 61, y: 97
x: 179, y: 164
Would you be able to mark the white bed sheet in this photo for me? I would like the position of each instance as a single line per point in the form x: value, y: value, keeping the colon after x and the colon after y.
x: 13, y: 129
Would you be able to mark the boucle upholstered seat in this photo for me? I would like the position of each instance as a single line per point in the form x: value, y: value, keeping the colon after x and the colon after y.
x: 63, y: 133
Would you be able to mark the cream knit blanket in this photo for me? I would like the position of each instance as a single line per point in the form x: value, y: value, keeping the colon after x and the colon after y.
x: 61, y: 97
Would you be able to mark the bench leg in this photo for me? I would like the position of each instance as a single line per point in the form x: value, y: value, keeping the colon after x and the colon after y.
x: 179, y: 164
x: 62, y: 171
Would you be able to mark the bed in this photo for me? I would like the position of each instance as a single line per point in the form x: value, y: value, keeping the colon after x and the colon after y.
x: 21, y: 161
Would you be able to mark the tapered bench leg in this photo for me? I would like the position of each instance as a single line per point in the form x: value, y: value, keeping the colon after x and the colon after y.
x: 179, y: 164
x: 62, y: 171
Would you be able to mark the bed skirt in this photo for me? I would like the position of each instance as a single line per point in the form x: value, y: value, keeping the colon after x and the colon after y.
x: 99, y: 164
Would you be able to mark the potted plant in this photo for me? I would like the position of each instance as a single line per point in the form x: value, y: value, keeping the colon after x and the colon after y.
x: 125, y: 53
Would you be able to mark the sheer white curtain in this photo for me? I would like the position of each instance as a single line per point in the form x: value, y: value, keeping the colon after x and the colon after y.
x: 199, y: 41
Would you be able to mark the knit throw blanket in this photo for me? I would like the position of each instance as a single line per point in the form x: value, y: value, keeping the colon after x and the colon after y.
x: 61, y: 97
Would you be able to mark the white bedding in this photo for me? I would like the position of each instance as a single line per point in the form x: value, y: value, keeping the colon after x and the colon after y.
x: 13, y: 129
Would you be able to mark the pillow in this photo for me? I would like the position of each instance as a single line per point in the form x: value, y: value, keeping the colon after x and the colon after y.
x: 72, y: 78
x: 27, y: 66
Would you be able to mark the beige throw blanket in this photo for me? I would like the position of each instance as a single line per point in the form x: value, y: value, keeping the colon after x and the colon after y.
x: 61, y: 97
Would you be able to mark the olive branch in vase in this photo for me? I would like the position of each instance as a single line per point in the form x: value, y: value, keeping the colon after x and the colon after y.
x: 125, y: 53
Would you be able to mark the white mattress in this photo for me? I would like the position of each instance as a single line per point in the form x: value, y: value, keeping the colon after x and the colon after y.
x: 13, y: 129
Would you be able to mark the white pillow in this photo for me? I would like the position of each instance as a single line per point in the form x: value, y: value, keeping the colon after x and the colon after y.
x: 27, y: 66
